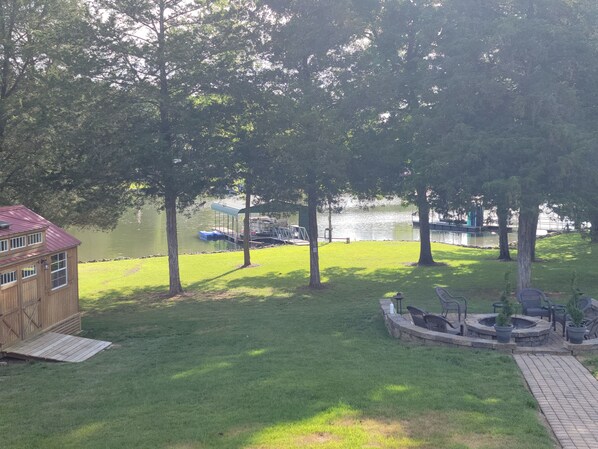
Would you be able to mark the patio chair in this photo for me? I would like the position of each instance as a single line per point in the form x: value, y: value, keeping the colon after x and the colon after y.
x: 592, y: 329
x: 451, y: 303
x: 439, y: 323
x: 561, y: 316
x: 417, y: 316
x: 534, y: 303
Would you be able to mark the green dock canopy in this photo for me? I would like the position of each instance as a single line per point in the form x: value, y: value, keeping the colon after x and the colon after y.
x: 273, y: 206
x: 222, y: 208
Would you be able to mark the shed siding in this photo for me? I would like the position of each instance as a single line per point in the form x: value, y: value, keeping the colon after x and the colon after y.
x: 59, y: 304
x: 10, y: 315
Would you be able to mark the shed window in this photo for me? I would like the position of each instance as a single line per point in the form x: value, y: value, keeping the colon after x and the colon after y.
x: 17, y: 242
x: 3, y: 246
x: 8, y: 278
x: 32, y: 239
x: 28, y: 272
x: 59, y: 271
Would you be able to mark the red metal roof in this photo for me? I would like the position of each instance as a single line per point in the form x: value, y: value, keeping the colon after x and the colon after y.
x: 23, y: 220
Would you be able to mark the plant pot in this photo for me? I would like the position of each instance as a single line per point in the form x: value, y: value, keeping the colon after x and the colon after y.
x: 576, y: 335
x: 503, y: 333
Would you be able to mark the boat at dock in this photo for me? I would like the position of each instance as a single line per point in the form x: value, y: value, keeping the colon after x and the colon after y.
x: 452, y: 226
x: 263, y: 229
x: 473, y: 223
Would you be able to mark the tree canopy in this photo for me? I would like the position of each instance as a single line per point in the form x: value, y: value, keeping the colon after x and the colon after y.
x: 57, y: 124
x: 449, y: 105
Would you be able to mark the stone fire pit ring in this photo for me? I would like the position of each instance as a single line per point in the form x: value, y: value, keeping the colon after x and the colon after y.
x: 535, y: 335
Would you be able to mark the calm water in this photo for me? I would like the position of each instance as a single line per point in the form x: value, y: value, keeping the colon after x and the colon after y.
x: 142, y: 232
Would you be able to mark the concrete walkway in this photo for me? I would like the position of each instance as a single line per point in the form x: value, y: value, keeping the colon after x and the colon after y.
x: 568, y: 396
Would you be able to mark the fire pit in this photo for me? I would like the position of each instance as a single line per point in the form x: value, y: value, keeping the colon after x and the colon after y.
x: 528, y: 331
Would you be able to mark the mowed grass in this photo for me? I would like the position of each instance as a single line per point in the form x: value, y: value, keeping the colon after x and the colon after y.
x: 251, y: 358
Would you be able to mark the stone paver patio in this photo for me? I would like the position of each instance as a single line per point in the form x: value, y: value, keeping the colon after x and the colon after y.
x: 567, y: 394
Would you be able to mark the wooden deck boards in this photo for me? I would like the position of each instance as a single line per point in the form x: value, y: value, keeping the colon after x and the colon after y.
x: 57, y: 347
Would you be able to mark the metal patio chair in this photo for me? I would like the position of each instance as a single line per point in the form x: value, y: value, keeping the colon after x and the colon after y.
x: 439, y: 323
x: 592, y: 329
x: 417, y: 316
x: 534, y: 303
x: 451, y: 303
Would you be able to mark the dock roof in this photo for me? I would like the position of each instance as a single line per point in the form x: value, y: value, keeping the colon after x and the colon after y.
x: 264, y: 208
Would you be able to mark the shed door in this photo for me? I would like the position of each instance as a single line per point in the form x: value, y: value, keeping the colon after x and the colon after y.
x: 10, y: 315
x: 31, y: 307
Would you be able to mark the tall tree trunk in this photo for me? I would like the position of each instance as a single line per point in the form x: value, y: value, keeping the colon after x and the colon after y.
x: 314, y: 259
x: 246, y: 230
x: 329, y: 220
x: 503, y: 233
x: 594, y: 227
x: 423, y: 209
x: 534, y: 234
x: 173, y: 245
x: 170, y: 195
x: 525, y: 233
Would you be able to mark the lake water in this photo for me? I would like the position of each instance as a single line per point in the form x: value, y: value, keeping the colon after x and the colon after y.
x: 142, y: 232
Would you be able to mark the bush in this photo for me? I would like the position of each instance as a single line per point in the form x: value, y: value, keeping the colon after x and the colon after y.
x: 508, y: 308
x: 573, y: 308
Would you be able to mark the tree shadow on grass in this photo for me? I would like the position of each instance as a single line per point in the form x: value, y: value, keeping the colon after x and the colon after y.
x: 271, y: 374
x: 480, y: 282
x: 128, y: 300
x: 359, y: 285
x: 274, y: 370
x: 206, y: 282
x: 289, y: 368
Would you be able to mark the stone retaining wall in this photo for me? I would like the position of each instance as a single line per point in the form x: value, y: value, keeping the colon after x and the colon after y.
x: 403, y: 329
x: 530, y: 336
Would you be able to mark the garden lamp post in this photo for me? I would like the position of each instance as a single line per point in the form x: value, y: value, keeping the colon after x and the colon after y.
x: 399, y: 299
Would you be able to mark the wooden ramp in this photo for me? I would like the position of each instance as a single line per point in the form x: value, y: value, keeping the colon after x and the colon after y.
x: 56, y: 347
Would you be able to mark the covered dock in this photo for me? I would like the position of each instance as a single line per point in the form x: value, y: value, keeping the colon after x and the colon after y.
x: 228, y: 225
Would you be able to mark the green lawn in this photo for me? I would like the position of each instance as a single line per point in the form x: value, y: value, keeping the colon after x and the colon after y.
x: 253, y: 359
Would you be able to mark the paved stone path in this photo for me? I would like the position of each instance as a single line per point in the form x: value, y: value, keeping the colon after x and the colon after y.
x: 568, y: 396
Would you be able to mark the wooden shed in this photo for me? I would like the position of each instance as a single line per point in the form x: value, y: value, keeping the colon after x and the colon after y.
x: 38, y: 277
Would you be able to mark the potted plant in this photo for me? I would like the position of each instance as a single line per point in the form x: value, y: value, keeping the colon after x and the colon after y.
x: 504, y: 324
x: 576, y: 328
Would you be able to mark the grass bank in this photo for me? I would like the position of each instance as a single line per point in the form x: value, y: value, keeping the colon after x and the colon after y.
x: 250, y: 358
